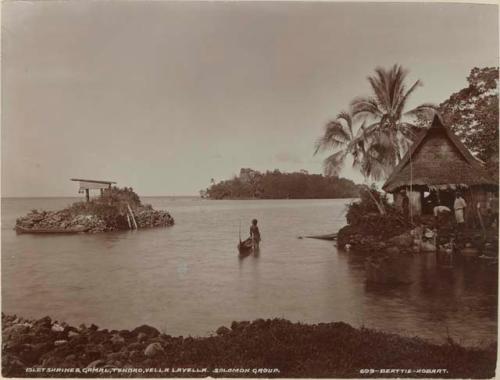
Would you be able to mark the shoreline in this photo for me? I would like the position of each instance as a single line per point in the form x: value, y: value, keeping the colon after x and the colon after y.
x: 284, y: 348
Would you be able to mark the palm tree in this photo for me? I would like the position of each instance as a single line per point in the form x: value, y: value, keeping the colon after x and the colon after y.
x: 390, y: 133
x: 342, y: 136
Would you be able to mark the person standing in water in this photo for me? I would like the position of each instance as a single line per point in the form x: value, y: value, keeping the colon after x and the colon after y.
x: 255, y: 234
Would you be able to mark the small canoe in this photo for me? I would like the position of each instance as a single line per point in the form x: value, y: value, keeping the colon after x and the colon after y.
x: 323, y: 237
x: 245, y: 246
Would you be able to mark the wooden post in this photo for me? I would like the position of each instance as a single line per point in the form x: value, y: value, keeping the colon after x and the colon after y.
x: 132, y: 216
x: 87, y: 195
x: 415, y: 202
x: 128, y: 221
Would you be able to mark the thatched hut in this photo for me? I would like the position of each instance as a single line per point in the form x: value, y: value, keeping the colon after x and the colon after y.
x: 435, y: 167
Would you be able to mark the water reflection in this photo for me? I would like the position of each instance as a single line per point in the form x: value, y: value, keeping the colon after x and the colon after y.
x: 191, y: 279
x: 453, y: 300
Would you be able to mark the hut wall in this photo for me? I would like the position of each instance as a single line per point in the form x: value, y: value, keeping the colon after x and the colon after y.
x: 437, y: 161
x: 415, y: 202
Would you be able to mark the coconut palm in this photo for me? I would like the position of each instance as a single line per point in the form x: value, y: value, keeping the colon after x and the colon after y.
x: 389, y: 132
x: 341, y: 135
x: 347, y: 140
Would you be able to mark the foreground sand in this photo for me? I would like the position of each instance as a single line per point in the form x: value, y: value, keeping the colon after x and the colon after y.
x: 262, y: 348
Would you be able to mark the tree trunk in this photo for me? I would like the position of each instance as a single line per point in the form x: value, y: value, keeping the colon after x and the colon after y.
x: 380, y: 205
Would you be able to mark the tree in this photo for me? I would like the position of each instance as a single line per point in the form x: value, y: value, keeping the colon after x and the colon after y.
x: 341, y: 135
x: 278, y: 185
x: 472, y: 113
x: 389, y: 133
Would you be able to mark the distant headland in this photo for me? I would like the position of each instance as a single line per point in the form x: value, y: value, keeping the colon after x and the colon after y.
x: 252, y: 184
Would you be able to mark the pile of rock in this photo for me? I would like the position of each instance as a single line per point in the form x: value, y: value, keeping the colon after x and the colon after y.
x: 287, y: 349
x: 374, y: 233
x: 60, y: 221
x: 147, y: 217
x: 97, y: 217
x: 46, y: 343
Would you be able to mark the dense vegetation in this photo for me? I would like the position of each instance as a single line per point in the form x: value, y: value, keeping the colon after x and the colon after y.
x: 376, y: 131
x: 472, y: 114
x: 371, y: 222
x: 278, y: 185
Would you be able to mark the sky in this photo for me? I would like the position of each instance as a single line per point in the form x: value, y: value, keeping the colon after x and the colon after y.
x: 165, y: 96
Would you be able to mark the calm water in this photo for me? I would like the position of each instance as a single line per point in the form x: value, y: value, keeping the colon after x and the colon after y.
x: 188, y: 279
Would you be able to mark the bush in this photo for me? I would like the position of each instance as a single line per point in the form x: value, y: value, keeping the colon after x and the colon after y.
x: 122, y: 196
x: 367, y: 227
x: 111, y: 207
x: 366, y: 205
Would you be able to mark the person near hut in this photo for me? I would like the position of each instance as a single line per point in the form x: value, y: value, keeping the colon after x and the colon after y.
x: 429, y: 201
x: 459, y: 206
x: 441, y: 215
x: 255, y: 234
x: 405, y: 204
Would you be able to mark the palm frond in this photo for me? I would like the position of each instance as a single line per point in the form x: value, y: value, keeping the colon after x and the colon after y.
x: 374, y: 164
x: 334, y: 163
x: 366, y: 106
x: 384, y: 148
x: 405, y: 138
x: 335, y: 136
x: 409, y: 130
x: 346, y: 116
x: 396, y: 87
x: 365, y: 132
x: 404, y: 98
x: 379, y: 85
x: 425, y: 109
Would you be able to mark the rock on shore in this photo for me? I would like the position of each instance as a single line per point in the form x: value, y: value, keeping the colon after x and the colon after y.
x: 146, y: 217
x: 373, y: 233
x: 66, y: 221
x: 62, y: 220
x: 294, y: 349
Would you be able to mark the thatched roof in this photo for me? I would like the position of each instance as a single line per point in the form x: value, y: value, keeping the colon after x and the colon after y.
x: 438, y: 159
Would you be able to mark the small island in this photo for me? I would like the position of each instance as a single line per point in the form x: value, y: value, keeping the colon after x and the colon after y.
x: 114, y: 210
x: 252, y: 184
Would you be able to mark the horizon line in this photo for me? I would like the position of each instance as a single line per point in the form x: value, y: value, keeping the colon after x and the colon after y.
x: 75, y: 196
